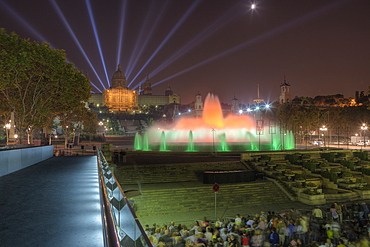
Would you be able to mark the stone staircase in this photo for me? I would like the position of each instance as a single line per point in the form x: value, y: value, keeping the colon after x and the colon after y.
x: 192, y: 197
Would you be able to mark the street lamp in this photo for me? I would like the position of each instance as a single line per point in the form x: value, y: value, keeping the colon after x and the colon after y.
x: 7, y: 126
x: 213, y: 142
x: 323, y: 128
x: 363, y: 128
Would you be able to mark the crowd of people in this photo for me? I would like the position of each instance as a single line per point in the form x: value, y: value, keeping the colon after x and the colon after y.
x: 339, y: 225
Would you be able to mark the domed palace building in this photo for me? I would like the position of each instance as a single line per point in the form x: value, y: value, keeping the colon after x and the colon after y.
x: 118, y: 97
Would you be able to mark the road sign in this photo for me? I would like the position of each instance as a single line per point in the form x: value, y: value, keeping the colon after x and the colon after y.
x: 216, y: 187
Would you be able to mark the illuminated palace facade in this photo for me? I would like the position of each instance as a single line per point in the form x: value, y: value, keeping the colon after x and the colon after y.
x: 119, y: 98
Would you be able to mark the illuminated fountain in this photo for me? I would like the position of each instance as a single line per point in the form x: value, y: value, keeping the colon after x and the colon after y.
x: 213, y: 132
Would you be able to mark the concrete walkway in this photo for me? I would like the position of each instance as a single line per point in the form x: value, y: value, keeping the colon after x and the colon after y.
x: 53, y: 203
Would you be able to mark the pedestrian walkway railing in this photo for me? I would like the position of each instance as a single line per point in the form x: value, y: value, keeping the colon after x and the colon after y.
x: 121, y: 226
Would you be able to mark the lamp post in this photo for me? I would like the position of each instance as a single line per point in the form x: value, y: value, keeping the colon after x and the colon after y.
x: 363, y: 128
x: 7, y: 126
x: 323, y: 128
x: 213, y: 142
x: 100, y: 126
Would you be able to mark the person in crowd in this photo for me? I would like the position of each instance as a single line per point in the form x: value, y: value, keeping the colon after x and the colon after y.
x: 305, y: 229
x: 281, y: 229
x: 158, y: 233
x: 166, y: 236
x: 328, y: 243
x: 178, y: 242
x: 203, y: 224
x: 364, y: 211
x: 153, y: 240
x: 208, y: 234
x: 238, y: 219
x: 257, y: 238
x: 334, y: 213
x: 317, y: 213
x: 335, y: 227
x: 245, y: 239
x: 356, y: 210
x: 233, y: 242
x: 274, y: 238
x: 262, y: 224
x: 338, y: 208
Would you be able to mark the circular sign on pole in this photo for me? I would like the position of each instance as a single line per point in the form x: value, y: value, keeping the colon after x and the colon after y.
x: 216, y: 187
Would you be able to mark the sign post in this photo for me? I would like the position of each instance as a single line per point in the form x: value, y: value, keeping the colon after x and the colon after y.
x: 215, y: 189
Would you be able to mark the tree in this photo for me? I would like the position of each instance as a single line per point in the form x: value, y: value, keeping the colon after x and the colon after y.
x: 76, y: 120
x: 37, y: 83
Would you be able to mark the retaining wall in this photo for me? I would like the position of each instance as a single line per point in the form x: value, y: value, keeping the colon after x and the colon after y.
x: 15, y: 159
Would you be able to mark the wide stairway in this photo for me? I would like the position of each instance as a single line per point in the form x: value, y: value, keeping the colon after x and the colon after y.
x: 173, y: 190
x: 167, y: 199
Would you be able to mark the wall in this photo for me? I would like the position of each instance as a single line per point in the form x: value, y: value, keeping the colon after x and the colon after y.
x: 171, y: 173
x: 16, y: 159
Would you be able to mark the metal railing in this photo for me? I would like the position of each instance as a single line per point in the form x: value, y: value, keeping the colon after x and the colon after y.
x: 120, y: 224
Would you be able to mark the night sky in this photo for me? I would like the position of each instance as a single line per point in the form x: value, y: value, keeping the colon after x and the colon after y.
x: 217, y: 46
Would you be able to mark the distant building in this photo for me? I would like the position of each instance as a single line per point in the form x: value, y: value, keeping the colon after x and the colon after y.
x: 96, y: 99
x: 235, y: 105
x: 119, y: 97
x: 285, y: 96
x: 198, y: 105
x: 146, y: 97
x: 147, y: 87
x: 258, y: 100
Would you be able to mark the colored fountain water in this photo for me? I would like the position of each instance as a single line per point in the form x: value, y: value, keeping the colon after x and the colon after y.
x: 191, y: 142
x: 213, y: 132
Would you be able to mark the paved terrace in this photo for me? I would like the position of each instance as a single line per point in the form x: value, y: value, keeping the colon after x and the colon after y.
x: 53, y: 203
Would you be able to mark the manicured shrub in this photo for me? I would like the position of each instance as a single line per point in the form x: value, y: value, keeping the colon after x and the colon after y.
x: 363, y: 155
x: 348, y: 163
x: 292, y: 158
x: 328, y: 156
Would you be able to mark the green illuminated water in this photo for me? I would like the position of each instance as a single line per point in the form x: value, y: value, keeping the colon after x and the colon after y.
x: 167, y: 140
x: 162, y: 145
x: 276, y: 142
x: 252, y: 145
x: 138, y: 142
x: 289, y: 143
x: 223, y: 143
x: 191, y: 142
x: 146, y: 142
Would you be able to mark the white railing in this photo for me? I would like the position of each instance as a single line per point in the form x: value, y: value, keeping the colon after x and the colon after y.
x: 121, y: 226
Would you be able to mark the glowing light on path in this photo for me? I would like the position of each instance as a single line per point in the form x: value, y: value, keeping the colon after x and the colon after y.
x: 172, y: 32
x: 97, y: 39
x: 74, y: 37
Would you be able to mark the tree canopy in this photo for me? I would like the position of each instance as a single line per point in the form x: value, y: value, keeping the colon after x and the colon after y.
x: 37, y: 83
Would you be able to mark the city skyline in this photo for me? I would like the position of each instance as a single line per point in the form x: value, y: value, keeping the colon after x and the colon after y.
x: 222, y: 47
